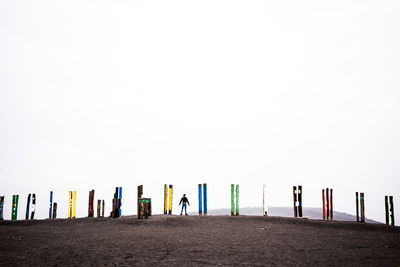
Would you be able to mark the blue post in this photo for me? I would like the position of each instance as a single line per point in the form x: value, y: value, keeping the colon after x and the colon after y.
x: 120, y: 197
x: 51, y: 204
x: 205, y: 198
x: 200, y: 201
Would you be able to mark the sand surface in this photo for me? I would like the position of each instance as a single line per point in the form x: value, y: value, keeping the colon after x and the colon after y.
x: 194, y: 240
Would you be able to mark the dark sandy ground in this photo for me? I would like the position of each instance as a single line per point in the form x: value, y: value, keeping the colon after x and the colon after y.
x: 193, y: 240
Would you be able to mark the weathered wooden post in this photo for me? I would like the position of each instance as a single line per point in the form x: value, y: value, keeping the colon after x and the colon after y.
x: 91, y: 204
x: 139, y: 197
x: 331, y: 204
x: 391, y: 210
x: 51, y: 204
x: 295, y: 201
x: 1, y: 207
x: 102, y: 209
x: 327, y: 204
x: 232, y: 199
x: 165, y: 199
x: 33, y: 207
x: 70, y: 204
x: 265, y: 203
x: 357, y: 209
x: 362, y: 207
x: 205, y: 198
x: 237, y: 200
x: 98, y: 208
x: 170, y: 199
x: 28, y: 204
x: 55, y: 210
x: 14, y: 208
x: 200, y: 200
x: 300, y: 197
x: 323, y: 205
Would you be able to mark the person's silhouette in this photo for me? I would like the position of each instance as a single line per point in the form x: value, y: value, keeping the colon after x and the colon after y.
x: 184, y: 200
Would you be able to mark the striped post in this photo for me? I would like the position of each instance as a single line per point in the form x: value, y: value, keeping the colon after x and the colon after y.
x: 323, y: 205
x: 28, y: 204
x: 300, y: 198
x: 51, y: 204
x: 205, y: 198
x: 232, y: 199
x: 33, y: 207
x: 200, y: 200
x: 295, y: 201
x: 165, y: 199
x: 170, y: 199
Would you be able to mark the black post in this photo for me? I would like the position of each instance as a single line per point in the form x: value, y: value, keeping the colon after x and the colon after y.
x: 98, y: 208
x: 295, y: 201
x: 331, y: 204
x: 102, y: 209
x: 387, y: 210
x: 391, y: 209
x: 357, y: 217
x: 300, y: 197
x: 28, y: 204
x: 362, y: 207
x: 55, y: 210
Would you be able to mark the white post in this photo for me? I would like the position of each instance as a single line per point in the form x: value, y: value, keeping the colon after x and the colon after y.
x: 265, y: 206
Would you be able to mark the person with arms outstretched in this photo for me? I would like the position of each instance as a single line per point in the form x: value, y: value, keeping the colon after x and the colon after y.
x: 184, y: 200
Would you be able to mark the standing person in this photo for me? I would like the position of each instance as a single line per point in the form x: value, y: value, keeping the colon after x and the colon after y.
x: 184, y: 200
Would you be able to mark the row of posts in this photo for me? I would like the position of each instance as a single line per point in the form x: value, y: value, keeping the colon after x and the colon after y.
x: 144, y: 204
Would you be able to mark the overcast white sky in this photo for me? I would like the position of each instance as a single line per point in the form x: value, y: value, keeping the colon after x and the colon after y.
x: 98, y: 94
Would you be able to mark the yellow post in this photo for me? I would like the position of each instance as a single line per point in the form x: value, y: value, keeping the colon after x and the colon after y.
x: 165, y: 199
x: 74, y: 205
x: 170, y: 199
x: 69, y: 203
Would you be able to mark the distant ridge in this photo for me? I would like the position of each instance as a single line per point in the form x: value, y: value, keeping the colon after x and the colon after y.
x: 311, y: 213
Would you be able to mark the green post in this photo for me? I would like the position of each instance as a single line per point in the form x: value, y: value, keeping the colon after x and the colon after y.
x: 232, y: 199
x: 237, y: 200
x: 14, y: 210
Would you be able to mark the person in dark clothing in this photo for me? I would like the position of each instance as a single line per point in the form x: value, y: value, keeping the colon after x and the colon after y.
x: 184, y: 200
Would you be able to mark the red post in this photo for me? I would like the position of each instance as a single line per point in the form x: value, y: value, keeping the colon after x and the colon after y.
x: 323, y: 204
x: 327, y: 204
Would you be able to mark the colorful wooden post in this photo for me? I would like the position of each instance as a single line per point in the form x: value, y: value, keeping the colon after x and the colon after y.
x: 120, y: 201
x: 300, y: 197
x: 70, y: 204
x: 362, y: 207
x: 91, y: 204
x: 232, y: 199
x: 139, y: 197
x: 327, y: 204
x: 51, y: 204
x: 295, y: 201
x: 98, y: 208
x: 205, y: 198
x: 55, y: 210
x: 323, y: 205
x: 265, y: 204
x: 234, y: 206
x: 165, y: 199
x: 102, y: 209
x: 357, y: 209
x: 74, y: 204
x: 14, y: 210
x: 33, y: 207
x: 1, y: 207
x: 28, y: 204
x: 170, y: 200
x: 200, y: 200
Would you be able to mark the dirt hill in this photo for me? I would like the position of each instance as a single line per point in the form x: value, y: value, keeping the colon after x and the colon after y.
x: 194, y: 240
